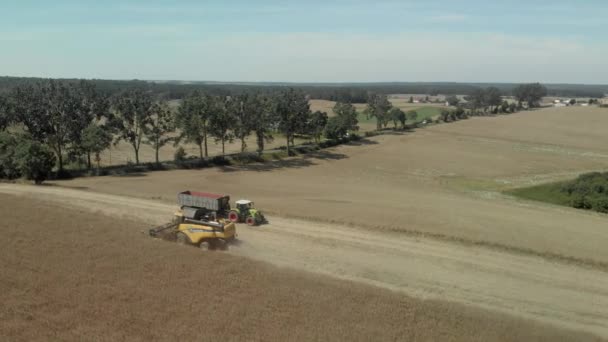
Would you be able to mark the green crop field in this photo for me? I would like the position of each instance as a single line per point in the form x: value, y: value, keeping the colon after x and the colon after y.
x: 549, y: 193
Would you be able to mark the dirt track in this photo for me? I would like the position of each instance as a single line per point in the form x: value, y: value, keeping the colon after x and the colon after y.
x: 565, y: 295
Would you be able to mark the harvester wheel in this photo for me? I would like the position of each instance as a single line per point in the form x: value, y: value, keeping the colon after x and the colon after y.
x: 250, y: 221
x: 205, y: 245
x: 182, y: 239
x: 213, y: 244
x: 233, y: 216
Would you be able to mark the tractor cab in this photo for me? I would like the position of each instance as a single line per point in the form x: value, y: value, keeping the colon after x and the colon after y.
x: 244, y: 204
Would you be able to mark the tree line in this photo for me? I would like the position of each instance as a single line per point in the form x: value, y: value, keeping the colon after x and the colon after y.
x: 60, y: 119
x: 44, y: 123
x: 342, y: 92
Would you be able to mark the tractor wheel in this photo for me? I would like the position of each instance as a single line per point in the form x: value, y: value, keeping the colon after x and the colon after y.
x: 250, y: 221
x: 182, y: 239
x: 233, y: 216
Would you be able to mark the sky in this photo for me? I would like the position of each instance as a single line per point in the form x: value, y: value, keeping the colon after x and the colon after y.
x: 308, y: 41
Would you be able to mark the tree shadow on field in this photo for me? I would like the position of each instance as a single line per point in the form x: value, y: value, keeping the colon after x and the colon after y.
x: 293, y: 163
x: 130, y: 174
x: 399, y: 132
x: 290, y: 163
x: 325, y: 155
x: 53, y: 184
x: 362, y: 142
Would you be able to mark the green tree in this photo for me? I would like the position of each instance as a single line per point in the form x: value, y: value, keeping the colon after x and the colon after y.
x: 133, y: 111
x: 96, y: 139
x: 94, y: 106
x: 531, y: 93
x: 5, y: 115
x: 477, y: 99
x: 492, y: 98
x: 34, y: 160
x: 445, y: 116
x: 452, y: 100
x: 318, y: 121
x: 159, y: 127
x: 397, y: 115
x: 55, y: 113
x: 8, y: 164
x: 378, y: 106
x: 242, y: 107
x: 222, y: 121
x: 411, y: 99
x: 347, y: 113
x: 292, y: 112
x: 334, y: 129
x: 412, y: 115
x: 262, y: 111
x: 193, y: 120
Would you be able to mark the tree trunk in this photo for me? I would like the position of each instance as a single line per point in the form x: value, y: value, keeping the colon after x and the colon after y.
x: 288, y: 151
x: 205, y: 141
x: 260, y: 137
x: 223, y: 148
x: 88, y: 160
x: 378, y: 124
x: 136, y: 155
x: 200, y: 150
x: 60, y: 157
x: 243, y: 145
x: 157, y: 148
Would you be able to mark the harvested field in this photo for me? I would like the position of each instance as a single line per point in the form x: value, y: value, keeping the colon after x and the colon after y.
x: 564, y: 295
x: 71, y: 276
x: 442, y: 181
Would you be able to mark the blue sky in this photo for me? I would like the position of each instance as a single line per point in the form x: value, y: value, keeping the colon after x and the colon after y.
x: 307, y: 41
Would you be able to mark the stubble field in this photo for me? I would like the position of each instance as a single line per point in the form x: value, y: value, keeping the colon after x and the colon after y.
x: 442, y: 181
x: 68, y: 275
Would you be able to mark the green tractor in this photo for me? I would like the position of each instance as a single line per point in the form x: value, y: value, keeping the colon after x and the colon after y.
x: 246, y: 212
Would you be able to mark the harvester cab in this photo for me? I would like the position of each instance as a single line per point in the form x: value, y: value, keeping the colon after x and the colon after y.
x: 246, y: 212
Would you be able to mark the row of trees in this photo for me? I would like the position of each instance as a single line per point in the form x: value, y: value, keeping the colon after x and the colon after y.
x: 380, y: 108
x: 77, y: 120
x: 74, y: 119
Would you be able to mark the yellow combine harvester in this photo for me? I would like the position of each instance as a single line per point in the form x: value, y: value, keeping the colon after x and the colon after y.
x: 190, y: 227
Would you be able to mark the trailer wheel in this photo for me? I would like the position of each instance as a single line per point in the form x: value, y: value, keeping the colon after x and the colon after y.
x: 233, y: 216
x: 182, y: 239
x: 250, y: 221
